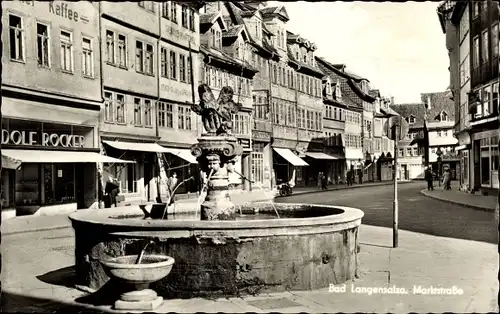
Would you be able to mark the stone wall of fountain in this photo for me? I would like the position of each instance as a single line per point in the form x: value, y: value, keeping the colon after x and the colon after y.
x: 310, y: 247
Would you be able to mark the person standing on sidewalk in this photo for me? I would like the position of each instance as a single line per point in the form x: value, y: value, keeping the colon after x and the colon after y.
x: 429, y: 176
x: 360, y: 176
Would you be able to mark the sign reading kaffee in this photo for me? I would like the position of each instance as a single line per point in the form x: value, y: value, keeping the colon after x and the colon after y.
x: 32, y: 138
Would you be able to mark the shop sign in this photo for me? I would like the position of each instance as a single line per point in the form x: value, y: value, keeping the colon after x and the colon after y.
x: 262, y: 136
x: 63, y: 10
x: 32, y: 138
x: 244, y: 142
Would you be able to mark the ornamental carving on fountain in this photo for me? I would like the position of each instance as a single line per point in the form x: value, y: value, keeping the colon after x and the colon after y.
x: 217, y: 150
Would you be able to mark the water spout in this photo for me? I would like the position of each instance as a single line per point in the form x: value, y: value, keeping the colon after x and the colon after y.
x: 139, y: 257
x: 260, y: 186
x: 173, y: 194
x: 200, y: 198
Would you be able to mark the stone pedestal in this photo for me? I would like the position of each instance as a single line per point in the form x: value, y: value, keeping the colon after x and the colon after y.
x: 139, y: 300
x: 215, y: 155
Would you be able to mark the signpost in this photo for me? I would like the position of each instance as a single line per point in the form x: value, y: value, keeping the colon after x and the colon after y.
x: 396, y: 129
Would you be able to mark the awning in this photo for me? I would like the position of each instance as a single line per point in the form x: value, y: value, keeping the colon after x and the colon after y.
x: 138, y: 147
x: 462, y: 147
x: 182, y: 153
x: 56, y: 156
x: 10, y: 163
x: 316, y: 155
x: 291, y: 157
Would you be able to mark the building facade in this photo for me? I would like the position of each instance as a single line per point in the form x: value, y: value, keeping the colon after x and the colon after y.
x: 410, y: 158
x: 51, y: 102
x: 472, y: 33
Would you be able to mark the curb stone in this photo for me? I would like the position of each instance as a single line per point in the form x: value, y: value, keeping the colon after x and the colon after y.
x: 442, y: 199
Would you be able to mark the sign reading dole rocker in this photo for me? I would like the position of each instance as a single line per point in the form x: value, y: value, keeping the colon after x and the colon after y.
x: 33, y: 138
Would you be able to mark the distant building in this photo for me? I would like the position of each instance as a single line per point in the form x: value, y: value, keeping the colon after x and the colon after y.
x: 410, y: 159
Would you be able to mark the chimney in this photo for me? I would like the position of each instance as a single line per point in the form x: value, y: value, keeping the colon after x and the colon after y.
x: 429, y: 105
x: 392, y: 100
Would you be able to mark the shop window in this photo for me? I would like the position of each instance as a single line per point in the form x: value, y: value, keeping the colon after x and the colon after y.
x: 126, y: 176
x: 27, y: 185
x: 257, y: 167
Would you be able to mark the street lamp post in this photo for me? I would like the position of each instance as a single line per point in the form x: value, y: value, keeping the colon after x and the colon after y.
x: 439, y: 153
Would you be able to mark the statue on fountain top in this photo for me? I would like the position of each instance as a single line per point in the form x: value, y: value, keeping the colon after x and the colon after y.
x: 217, y: 114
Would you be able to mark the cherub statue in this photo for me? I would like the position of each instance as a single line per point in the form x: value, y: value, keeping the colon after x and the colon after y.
x: 217, y: 114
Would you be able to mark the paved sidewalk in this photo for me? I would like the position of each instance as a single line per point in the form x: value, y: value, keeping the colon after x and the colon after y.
x: 38, y: 269
x: 454, y: 196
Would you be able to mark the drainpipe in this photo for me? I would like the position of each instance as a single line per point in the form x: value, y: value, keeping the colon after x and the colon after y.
x: 271, y: 116
x: 158, y: 70
x: 98, y: 129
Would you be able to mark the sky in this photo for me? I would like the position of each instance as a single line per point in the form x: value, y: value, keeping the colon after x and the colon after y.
x: 399, y: 47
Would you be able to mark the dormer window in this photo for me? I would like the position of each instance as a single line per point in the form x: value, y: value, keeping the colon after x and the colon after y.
x: 216, y: 38
x: 305, y: 59
x: 240, y: 50
x: 297, y: 55
x: 443, y: 116
x: 411, y: 119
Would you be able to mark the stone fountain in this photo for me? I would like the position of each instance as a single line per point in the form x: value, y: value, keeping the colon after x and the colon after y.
x: 225, y: 253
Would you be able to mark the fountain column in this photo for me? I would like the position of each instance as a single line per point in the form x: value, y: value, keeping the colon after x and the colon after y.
x: 216, y: 157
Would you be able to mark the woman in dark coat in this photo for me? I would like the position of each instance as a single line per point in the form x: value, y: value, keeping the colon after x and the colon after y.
x: 111, y: 190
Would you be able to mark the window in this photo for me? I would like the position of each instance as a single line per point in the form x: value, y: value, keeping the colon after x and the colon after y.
x: 165, y: 115
x: 191, y: 19
x: 173, y: 12
x: 188, y: 67
x: 257, y: 167
x: 173, y: 65
x: 87, y: 57
x: 43, y: 46
x: 485, y: 47
x: 126, y: 175
x: 149, y: 59
x: 137, y: 111
x: 120, y: 108
x: 147, y: 112
x: 411, y: 119
x: 464, y: 71
x: 108, y: 107
x: 139, y: 56
x: 16, y: 38
x: 182, y: 68
x: 415, y: 151
x: 494, y: 39
x: 475, y: 56
x: 475, y: 9
x: 164, y: 62
x: 438, y: 133
x: 110, y: 46
x: 165, y: 10
x: 408, y: 151
x: 184, y: 16
x: 66, y: 51
x: 494, y: 101
x: 122, y: 50
x: 443, y: 116
x: 401, y: 152
x: 184, y: 122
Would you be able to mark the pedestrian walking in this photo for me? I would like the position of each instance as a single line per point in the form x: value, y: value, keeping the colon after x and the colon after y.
x: 360, y: 176
x: 320, y: 178
x: 429, y: 176
x: 111, y: 190
x: 447, y: 180
x: 324, y: 182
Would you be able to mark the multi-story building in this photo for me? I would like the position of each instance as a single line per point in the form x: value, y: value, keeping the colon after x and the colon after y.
x: 247, y: 17
x: 333, y: 127
x: 471, y: 29
x: 225, y: 53
x: 308, y: 120
x: 440, y: 121
x: 410, y: 160
x: 149, y: 67
x: 51, y: 99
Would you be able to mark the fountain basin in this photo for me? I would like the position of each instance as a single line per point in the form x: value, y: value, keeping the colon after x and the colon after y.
x: 151, y: 269
x: 310, y: 247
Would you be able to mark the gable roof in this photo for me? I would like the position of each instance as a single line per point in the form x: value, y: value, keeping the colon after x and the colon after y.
x: 208, y: 19
x: 416, y: 109
x: 279, y: 11
x: 439, y: 102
